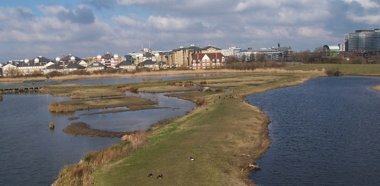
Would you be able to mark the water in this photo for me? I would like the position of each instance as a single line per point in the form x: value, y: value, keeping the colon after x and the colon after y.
x: 324, y: 132
x: 31, y: 154
x: 168, y: 107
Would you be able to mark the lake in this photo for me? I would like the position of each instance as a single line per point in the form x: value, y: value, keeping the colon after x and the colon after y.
x: 323, y: 132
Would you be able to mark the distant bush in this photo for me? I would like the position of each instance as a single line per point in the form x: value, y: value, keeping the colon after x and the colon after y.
x: 54, y: 74
x: 80, y: 72
x: 203, y: 83
x: 200, y: 101
x: 134, y: 89
x: 333, y: 72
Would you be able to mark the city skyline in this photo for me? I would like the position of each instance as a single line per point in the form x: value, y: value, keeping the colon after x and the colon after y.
x: 90, y: 27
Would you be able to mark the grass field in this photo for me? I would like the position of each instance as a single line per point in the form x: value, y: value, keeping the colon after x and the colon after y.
x: 224, y: 135
x: 346, y: 69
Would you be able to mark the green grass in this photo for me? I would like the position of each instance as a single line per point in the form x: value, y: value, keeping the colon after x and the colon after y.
x: 346, y: 69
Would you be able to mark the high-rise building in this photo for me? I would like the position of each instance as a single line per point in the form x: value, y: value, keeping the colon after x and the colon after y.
x: 364, y: 41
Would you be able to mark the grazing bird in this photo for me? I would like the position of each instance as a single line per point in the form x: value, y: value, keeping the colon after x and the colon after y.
x: 160, y: 176
x: 191, y: 158
x: 150, y: 175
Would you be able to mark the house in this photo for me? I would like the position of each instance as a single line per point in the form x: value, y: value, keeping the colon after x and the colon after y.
x: 109, y: 60
x: 35, y: 66
x: 9, y: 70
x: 207, y: 61
x: 73, y: 66
x: 54, y: 68
x: 127, y: 65
x: 95, y: 67
x: 152, y: 65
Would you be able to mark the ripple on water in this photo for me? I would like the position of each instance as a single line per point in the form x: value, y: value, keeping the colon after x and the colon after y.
x: 324, y: 132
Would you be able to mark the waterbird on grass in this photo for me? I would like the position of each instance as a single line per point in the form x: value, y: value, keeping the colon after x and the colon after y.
x: 150, y: 175
x: 191, y: 158
x: 160, y: 176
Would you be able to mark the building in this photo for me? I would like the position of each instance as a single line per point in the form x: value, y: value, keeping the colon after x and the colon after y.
x: 127, y: 65
x: 182, y: 57
x: 231, y: 52
x: 363, y: 41
x: 10, y: 70
x: 211, y: 49
x: 149, y: 64
x: 207, y: 61
x: 109, y: 60
x: 95, y: 67
x: 331, y: 50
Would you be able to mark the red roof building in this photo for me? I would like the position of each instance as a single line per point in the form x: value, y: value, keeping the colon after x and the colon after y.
x: 207, y: 61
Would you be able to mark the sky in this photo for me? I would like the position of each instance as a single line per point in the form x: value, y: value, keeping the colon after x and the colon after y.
x: 90, y: 27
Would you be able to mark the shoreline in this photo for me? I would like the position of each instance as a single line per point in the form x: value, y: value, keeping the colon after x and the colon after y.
x: 250, y: 152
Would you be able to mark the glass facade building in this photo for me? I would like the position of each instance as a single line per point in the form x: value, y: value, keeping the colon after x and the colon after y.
x: 363, y: 41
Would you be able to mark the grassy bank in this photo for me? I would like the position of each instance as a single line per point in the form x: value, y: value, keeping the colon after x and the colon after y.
x: 377, y: 88
x: 222, y: 136
x: 346, y: 69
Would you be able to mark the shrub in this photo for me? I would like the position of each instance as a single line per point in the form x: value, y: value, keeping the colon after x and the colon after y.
x: 54, y: 74
x: 200, y: 101
x: 333, y: 72
x: 203, y: 82
x: 134, y: 89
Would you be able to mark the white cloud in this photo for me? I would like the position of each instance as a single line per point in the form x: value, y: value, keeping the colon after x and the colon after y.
x: 168, y: 23
x: 371, y: 19
x: 313, y: 32
x: 128, y: 21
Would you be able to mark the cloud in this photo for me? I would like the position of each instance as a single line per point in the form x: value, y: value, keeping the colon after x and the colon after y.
x: 101, y: 4
x: 371, y: 19
x: 367, y: 4
x: 121, y: 26
x: 168, y: 23
x: 80, y: 15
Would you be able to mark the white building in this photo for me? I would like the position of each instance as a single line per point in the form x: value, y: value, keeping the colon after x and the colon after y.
x: 231, y: 51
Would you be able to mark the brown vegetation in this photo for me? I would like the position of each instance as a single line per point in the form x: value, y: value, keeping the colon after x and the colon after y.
x: 82, y: 173
x: 132, y: 102
x: 83, y: 129
x: 333, y: 72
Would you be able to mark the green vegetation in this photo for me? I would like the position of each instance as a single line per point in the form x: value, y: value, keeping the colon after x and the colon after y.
x: 223, y: 136
x: 345, y: 69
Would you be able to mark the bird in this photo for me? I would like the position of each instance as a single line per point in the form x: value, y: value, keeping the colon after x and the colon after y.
x: 191, y: 158
x: 160, y: 176
x: 150, y: 175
